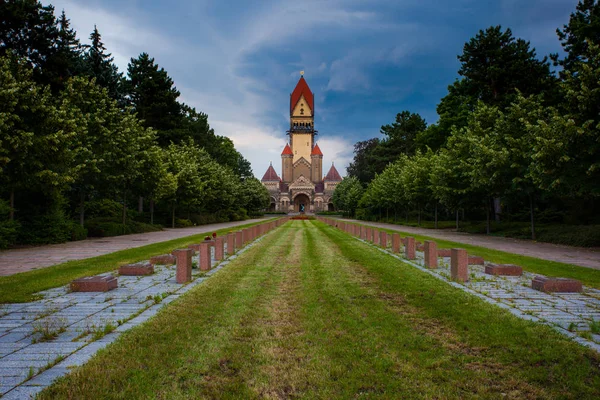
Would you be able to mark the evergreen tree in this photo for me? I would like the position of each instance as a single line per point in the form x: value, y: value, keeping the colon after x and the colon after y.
x: 495, y: 65
x: 99, y: 64
x: 154, y: 97
x: 29, y: 31
x: 583, y: 27
x: 67, y: 61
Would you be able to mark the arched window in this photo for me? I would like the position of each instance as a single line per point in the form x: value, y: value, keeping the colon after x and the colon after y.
x: 302, y: 111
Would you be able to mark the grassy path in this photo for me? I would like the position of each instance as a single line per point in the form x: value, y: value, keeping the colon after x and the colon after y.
x: 312, y: 313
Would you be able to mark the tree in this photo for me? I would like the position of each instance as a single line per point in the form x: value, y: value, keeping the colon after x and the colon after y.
x: 99, y: 64
x: 401, y: 135
x: 36, y: 138
x: 66, y: 62
x: 567, y: 146
x: 347, y: 195
x: 154, y: 97
x: 583, y: 28
x: 254, y: 196
x: 363, y: 165
x: 495, y: 65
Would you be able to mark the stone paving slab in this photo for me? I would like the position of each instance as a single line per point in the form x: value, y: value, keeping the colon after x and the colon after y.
x: 572, y: 314
x: 83, y: 322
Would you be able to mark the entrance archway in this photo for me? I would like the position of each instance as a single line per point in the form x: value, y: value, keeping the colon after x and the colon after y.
x: 330, y: 207
x: 301, y: 203
x: 273, y: 205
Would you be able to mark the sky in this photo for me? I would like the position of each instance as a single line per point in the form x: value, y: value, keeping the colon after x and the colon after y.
x: 365, y: 61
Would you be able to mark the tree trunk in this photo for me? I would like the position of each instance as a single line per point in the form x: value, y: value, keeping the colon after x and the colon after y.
x: 173, y: 216
x: 487, y: 215
x: 395, y: 215
x: 81, y: 207
x: 531, y: 212
x: 436, y: 217
x: 406, y: 216
x: 497, y: 209
x: 124, y: 209
x: 12, y: 205
x: 152, y: 212
x: 418, y: 215
x: 140, y: 204
x: 387, y: 214
x: 457, y: 219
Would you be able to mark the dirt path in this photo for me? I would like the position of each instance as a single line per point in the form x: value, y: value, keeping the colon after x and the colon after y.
x: 21, y: 260
x: 545, y: 251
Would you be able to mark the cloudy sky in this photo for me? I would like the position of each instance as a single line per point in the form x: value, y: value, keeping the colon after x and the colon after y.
x: 239, y: 60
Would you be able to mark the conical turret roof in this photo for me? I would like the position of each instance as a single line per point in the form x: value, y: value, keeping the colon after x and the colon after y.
x: 333, y: 175
x: 287, y: 150
x: 270, y: 175
x: 316, y: 151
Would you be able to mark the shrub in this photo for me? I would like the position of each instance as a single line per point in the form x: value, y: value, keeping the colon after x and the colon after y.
x: 78, y: 232
x: 103, y: 227
x: 183, y: 223
x: 9, y: 231
x: 103, y: 208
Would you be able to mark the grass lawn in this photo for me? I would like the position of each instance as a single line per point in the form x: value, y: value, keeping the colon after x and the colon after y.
x: 20, y: 288
x: 310, y: 312
x: 589, y: 277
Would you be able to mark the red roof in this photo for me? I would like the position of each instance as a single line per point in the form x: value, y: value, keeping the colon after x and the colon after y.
x: 333, y: 175
x: 287, y: 150
x: 316, y: 151
x: 270, y: 175
x: 300, y: 90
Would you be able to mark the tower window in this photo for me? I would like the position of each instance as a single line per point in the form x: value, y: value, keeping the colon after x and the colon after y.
x: 302, y: 111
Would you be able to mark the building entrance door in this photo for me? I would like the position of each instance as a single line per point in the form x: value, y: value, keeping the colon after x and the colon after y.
x: 301, y: 203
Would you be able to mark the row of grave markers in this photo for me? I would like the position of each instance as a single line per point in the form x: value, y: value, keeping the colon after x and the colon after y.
x: 221, y: 246
x: 459, y: 259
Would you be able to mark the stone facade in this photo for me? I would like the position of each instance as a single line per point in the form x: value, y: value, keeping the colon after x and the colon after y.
x: 302, y: 186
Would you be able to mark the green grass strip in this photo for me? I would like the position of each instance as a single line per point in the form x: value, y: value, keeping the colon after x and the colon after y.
x: 588, y: 276
x: 23, y: 287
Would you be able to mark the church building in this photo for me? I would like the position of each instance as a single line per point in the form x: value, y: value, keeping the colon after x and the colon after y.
x: 302, y: 186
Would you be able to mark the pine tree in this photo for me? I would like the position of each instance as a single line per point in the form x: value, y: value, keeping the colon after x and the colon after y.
x: 99, y: 64
x: 29, y: 31
x: 583, y: 27
x: 154, y: 97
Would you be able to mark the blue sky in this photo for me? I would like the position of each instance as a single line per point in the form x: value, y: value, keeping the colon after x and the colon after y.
x: 366, y: 61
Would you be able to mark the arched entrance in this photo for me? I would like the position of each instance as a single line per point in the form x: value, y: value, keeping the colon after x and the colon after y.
x: 330, y: 207
x: 273, y: 205
x: 301, y: 203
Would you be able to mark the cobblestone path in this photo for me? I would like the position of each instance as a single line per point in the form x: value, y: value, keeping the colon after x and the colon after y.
x: 21, y: 260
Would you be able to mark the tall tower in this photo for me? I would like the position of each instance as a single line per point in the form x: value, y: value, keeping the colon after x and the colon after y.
x: 302, y: 121
x: 287, y: 174
x: 316, y: 163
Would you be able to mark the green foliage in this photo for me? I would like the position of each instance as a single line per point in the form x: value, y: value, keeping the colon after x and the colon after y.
x: 583, y: 28
x: 104, y: 227
x: 153, y: 95
x: 347, y: 194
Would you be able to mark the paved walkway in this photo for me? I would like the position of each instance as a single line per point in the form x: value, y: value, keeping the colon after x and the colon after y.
x: 546, y: 251
x: 21, y: 260
x: 83, y: 324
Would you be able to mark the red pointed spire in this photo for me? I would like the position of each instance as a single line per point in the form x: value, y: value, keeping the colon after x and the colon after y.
x: 270, y: 175
x: 300, y: 90
x: 333, y: 175
x: 287, y: 150
x: 316, y: 151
